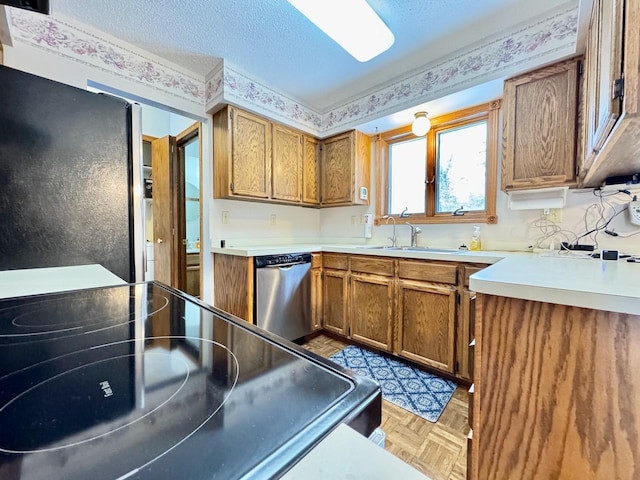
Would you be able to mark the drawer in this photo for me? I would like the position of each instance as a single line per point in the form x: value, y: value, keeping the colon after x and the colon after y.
x: 374, y: 265
x: 336, y: 261
x: 428, y: 271
x: 193, y: 259
x: 316, y: 260
x: 467, y: 271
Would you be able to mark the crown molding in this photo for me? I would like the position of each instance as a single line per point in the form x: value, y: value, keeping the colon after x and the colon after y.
x: 539, y: 41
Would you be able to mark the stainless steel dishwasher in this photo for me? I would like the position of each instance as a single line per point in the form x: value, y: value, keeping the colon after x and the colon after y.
x: 283, y: 294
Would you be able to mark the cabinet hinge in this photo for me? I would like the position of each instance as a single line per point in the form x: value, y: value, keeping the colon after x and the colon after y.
x: 580, y: 68
x: 456, y: 367
x: 231, y: 187
x: 618, y: 88
x: 231, y: 114
x: 458, y: 298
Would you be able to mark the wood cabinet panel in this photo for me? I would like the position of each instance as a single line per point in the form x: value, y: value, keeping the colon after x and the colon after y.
x: 603, y: 65
x: 371, y: 310
x: 556, y: 392
x: 233, y: 285
x: 316, y: 298
x: 311, y: 171
x: 286, y: 164
x: 540, y: 127
x: 426, y: 322
x: 334, y: 301
x: 193, y: 274
x: 337, y: 170
x: 427, y: 271
x: 373, y: 265
x: 250, y: 154
x: 464, y: 335
x: 335, y: 260
x: 346, y: 167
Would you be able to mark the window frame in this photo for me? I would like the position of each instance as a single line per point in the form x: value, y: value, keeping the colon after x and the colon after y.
x: 489, y: 111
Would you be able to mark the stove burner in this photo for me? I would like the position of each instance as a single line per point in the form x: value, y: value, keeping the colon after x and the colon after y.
x: 110, y: 399
x: 69, y: 318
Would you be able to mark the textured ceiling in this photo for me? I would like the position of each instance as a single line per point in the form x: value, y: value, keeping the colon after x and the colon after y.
x: 271, y: 41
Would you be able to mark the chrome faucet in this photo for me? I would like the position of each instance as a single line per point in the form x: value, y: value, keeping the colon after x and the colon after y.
x: 393, y: 238
x: 415, y: 231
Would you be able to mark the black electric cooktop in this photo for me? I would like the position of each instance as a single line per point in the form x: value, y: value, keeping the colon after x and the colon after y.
x: 139, y: 381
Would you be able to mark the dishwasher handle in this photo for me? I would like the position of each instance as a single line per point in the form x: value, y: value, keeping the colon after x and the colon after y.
x: 284, y: 265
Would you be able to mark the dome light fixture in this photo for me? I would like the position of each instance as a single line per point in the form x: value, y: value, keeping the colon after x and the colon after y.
x: 421, y: 124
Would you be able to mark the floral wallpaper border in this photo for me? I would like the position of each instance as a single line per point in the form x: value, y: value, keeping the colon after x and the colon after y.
x: 555, y: 33
x: 70, y: 41
x: 499, y: 55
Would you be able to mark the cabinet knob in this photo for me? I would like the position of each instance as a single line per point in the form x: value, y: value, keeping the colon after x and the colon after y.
x: 160, y: 240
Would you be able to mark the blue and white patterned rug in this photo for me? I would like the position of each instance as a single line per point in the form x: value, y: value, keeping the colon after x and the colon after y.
x: 413, y: 389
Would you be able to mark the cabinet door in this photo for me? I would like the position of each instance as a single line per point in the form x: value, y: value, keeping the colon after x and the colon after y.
x: 426, y: 322
x: 310, y: 171
x: 334, y: 300
x: 371, y: 310
x: 316, y: 298
x: 603, y: 65
x: 337, y: 170
x: 540, y: 127
x: 286, y: 164
x: 464, y: 332
x: 251, y: 155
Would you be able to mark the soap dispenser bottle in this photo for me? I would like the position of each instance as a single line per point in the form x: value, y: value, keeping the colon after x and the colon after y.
x: 475, y: 244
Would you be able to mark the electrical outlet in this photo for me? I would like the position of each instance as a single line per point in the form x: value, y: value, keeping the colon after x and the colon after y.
x: 225, y: 217
x: 553, y: 214
x: 353, y: 219
x: 273, y: 219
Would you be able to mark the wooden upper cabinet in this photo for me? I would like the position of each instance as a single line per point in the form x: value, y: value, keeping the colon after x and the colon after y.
x: 286, y: 164
x: 251, y: 154
x: 346, y: 165
x: 311, y: 170
x: 612, y: 92
x: 540, y: 127
x: 603, y: 67
x: 241, y: 154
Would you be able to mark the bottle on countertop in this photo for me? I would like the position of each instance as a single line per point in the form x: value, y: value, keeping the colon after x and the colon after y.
x: 476, y: 243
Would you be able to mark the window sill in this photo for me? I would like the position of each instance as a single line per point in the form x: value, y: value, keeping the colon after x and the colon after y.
x: 443, y: 218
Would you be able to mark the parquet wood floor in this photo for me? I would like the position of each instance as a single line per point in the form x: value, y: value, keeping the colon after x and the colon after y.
x: 439, y: 450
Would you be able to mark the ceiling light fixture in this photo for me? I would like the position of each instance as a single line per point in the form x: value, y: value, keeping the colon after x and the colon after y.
x: 352, y: 24
x: 421, y: 124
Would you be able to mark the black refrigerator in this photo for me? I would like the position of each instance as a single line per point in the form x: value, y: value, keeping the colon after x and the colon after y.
x: 66, y: 177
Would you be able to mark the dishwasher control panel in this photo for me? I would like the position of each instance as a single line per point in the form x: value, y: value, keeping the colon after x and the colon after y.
x: 282, y: 260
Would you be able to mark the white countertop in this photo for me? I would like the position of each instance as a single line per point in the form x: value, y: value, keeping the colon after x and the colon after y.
x: 33, y: 281
x: 566, y: 280
x: 562, y: 278
x: 346, y: 455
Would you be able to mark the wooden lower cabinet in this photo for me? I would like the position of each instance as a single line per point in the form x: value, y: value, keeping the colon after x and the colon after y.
x: 233, y: 285
x: 316, y: 298
x: 334, y: 301
x: 426, y: 320
x: 193, y: 274
x: 557, y: 394
x: 371, y: 310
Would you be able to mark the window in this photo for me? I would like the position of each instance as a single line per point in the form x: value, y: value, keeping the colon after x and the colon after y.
x: 446, y: 177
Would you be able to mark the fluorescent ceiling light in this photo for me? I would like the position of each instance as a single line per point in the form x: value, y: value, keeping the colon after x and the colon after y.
x: 351, y: 23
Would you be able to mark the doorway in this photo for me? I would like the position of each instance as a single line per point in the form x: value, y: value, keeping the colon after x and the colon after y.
x: 173, y: 208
